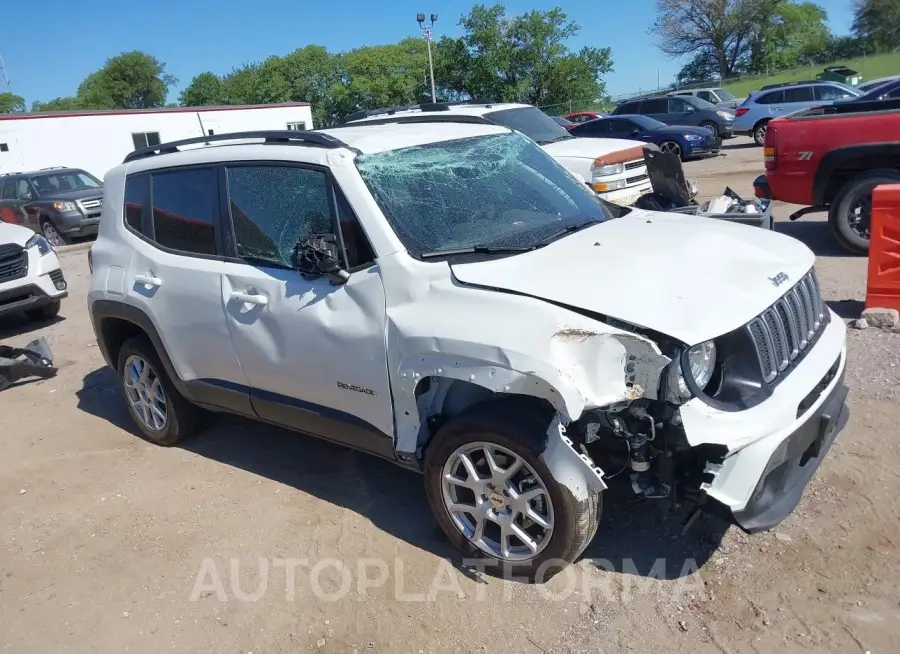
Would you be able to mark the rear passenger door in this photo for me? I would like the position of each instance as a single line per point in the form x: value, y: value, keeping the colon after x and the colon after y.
x: 657, y: 108
x: 798, y: 97
x: 314, y: 352
x: 681, y: 112
x: 175, y: 277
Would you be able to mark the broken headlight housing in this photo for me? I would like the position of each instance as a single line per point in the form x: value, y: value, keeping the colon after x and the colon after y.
x: 40, y: 243
x: 701, y: 360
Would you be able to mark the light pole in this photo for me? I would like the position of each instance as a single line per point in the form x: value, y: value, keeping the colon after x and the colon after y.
x: 426, y: 32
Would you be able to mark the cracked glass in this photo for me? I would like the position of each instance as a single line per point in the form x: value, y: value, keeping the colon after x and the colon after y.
x: 489, y: 191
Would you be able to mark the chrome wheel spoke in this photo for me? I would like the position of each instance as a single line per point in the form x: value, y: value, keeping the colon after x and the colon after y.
x: 145, y: 394
x: 480, y: 488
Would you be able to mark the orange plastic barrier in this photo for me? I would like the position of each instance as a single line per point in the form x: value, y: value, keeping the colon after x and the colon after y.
x: 883, y: 284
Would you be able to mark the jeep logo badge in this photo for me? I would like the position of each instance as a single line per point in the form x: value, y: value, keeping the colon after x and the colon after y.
x: 778, y: 279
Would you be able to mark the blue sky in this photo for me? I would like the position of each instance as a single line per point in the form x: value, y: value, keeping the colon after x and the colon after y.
x: 70, y: 40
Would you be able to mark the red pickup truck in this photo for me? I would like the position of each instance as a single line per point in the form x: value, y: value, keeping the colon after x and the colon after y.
x: 829, y: 159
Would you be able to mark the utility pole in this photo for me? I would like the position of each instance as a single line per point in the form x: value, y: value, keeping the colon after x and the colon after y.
x: 5, y: 76
x: 426, y: 33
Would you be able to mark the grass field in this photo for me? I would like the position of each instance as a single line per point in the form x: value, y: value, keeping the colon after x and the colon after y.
x: 870, y: 68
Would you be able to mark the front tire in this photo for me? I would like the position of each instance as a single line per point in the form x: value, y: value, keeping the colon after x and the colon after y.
x: 52, y: 234
x: 495, y: 498
x: 710, y: 127
x: 672, y: 148
x: 850, y: 213
x: 161, y: 413
x: 46, y: 312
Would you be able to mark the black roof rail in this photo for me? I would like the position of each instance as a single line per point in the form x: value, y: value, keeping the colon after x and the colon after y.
x: 282, y: 137
x: 424, y: 107
x: 804, y: 81
x: 419, y: 118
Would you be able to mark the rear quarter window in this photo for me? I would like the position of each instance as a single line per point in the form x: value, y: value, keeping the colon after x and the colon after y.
x: 137, y: 200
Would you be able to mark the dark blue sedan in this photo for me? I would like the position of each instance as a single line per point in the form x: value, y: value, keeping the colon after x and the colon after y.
x: 683, y: 140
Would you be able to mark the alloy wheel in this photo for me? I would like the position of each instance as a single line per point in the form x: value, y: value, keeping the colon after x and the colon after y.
x: 671, y: 147
x: 145, y: 393
x: 498, y: 501
x: 51, y: 234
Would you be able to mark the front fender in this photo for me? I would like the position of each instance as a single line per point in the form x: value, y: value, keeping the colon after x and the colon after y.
x: 578, y: 369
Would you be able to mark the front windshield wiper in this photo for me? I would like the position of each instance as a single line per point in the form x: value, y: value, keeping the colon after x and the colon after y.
x: 568, y: 229
x: 479, y: 249
x: 561, y: 137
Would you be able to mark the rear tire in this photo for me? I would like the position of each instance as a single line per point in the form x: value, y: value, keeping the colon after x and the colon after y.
x: 855, y: 197
x: 509, y: 429
x: 160, y: 412
x: 46, y: 312
x: 759, y: 132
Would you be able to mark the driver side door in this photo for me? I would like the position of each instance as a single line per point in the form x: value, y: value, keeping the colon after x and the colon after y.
x: 313, y: 352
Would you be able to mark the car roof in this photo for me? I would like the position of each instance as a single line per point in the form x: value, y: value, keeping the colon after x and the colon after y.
x: 461, y: 109
x: 44, y: 171
x: 359, y: 138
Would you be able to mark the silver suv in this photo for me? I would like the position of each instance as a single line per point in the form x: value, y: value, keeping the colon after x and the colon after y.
x: 753, y: 116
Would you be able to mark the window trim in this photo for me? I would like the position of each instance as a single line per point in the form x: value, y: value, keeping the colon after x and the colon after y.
x: 148, y: 229
x: 332, y: 188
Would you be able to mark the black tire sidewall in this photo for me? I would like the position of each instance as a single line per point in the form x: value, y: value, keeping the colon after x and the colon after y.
x: 851, y: 191
x: 563, y: 547
x: 756, y: 128
x: 175, y: 430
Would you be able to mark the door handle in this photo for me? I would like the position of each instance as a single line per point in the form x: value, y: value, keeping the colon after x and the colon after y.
x: 148, y: 280
x: 249, y: 298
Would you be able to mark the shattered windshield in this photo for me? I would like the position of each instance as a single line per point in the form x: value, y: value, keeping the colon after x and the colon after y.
x: 498, y: 191
x: 532, y: 122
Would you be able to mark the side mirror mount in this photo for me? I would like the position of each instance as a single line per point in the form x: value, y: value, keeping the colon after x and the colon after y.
x: 317, y: 256
x: 27, y: 197
x: 635, y: 132
x: 690, y: 109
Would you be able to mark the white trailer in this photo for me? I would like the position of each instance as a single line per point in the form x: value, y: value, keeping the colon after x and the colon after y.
x: 96, y: 141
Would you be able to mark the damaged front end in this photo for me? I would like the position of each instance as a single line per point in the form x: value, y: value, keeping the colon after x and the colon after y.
x: 33, y: 360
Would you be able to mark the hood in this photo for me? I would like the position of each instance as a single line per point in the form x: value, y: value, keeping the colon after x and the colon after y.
x: 689, y: 277
x: 72, y: 195
x: 17, y: 234
x: 589, y: 148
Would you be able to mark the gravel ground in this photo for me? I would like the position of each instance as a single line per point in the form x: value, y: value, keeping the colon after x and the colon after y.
x: 103, y: 536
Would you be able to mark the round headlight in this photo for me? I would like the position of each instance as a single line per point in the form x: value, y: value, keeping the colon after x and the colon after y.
x: 702, y: 359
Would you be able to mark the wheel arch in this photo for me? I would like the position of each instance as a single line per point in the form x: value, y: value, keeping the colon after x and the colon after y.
x: 842, y: 164
x: 116, y: 322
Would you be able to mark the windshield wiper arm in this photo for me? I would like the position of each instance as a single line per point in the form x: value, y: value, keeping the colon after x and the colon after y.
x: 561, y: 137
x: 479, y: 249
x: 568, y: 229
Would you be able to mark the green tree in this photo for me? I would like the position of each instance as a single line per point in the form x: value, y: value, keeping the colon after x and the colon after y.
x: 877, y: 24
x: 131, y: 80
x: 203, y: 91
x: 56, y: 104
x: 10, y: 103
x: 522, y: 58
x: 787, y: 35
x: 240, y: 86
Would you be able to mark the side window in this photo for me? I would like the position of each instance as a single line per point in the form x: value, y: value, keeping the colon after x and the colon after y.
x: 359, y: 250
x: 23, y: 188
x: 273, y: 207
x: 656, y: 106
x: 8, y: 191
x: 798, y: 94
x: 137, y: 196
x: 678, y: 106
x: 596, y: 128
x: 621, y: 126
x: 145, y: 139
x: 706, y: 95
x: 628, y: 108
x: 185, y: 205
x: 773, y: 97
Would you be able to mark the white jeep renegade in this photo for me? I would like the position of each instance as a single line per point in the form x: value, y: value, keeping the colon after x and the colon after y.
x: 446, y: 296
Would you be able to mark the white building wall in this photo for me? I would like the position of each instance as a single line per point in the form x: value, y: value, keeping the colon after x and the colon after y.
x: 97, y: 142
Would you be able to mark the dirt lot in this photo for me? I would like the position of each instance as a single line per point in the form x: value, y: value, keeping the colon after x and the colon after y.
x: 104, y: 537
